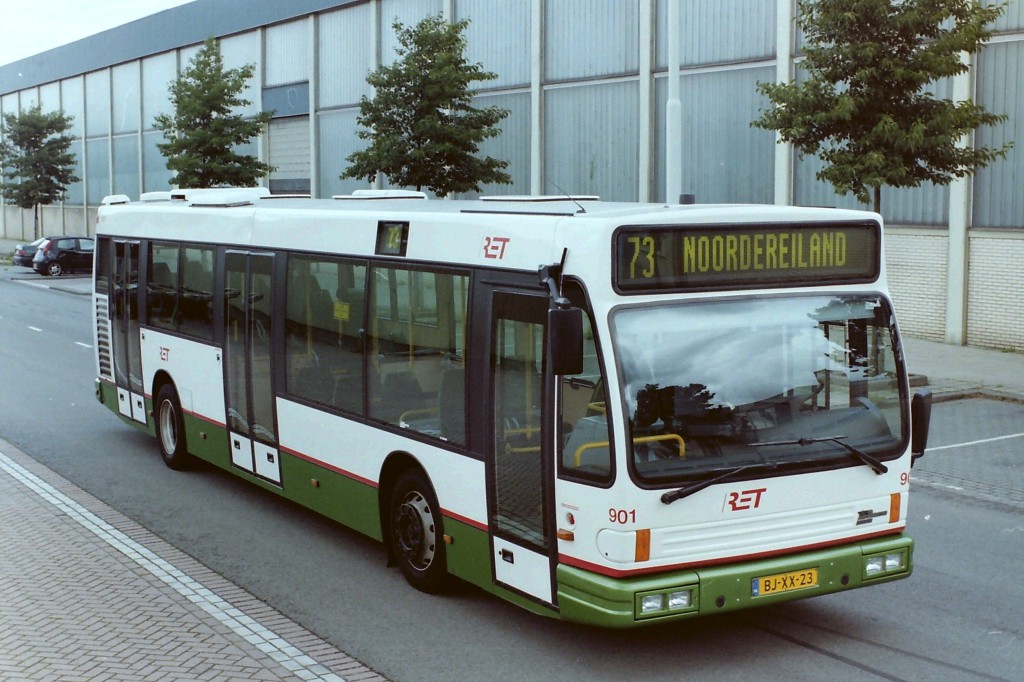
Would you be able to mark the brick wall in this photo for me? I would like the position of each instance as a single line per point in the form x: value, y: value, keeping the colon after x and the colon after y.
x: 995, y: 290
x: 916, y: 263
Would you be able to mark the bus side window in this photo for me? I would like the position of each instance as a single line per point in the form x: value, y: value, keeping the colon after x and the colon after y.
x: 415, y: 343
x: 162, y: 288
x: 323, y: 318
x: 196, y: 296
x: 586, y: 448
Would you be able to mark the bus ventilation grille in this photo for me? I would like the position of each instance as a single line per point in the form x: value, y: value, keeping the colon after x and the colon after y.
x: 103, y: 339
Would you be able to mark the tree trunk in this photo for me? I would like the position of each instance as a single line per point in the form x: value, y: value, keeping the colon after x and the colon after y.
x: 35, y: 223
x: 878, y: 198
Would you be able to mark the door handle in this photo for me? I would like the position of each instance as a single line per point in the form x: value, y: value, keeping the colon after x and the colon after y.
x: 508, y: 556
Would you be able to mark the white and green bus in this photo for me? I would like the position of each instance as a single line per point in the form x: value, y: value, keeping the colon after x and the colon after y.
x: 611, y: 413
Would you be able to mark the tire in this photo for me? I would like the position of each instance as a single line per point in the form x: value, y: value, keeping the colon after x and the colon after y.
x: 170, y: 429
x: 415, y: 533
x: 53, y: 269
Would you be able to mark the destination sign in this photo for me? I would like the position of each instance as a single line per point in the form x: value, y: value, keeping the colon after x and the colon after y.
x: 696, y: 258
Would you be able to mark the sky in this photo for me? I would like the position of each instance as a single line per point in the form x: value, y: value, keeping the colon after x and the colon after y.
x: 28, y: 27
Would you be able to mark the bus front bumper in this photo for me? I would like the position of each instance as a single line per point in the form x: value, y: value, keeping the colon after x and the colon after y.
x: 588, y: 597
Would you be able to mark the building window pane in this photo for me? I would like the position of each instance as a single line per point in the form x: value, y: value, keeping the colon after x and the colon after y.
x: 97, y: 103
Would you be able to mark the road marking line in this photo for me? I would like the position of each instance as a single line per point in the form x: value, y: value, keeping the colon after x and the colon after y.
x: 35, y: 329
x: 974, y: 442
x: 83, y: 345
x: 264, y: 639
x: 37, y: 285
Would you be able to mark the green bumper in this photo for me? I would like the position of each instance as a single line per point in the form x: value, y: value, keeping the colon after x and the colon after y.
x: 588, y: 597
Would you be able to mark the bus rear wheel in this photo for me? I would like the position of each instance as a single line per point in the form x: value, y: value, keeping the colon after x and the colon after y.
x: 170, y: 428
x: 415, y: 532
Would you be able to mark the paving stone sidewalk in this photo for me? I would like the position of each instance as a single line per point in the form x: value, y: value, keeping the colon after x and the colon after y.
x: 88, y: 594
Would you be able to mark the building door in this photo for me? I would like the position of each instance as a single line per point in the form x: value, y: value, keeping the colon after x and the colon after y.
x: 520, y: 461
x: 288, y: 144
x: 248, y: 376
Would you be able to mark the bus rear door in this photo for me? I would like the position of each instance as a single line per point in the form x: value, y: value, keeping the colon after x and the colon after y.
x: 127, y: 344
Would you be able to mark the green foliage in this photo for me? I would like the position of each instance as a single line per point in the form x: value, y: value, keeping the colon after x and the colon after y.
x: 202, y: 135
x: 422, y: 128
x: 35, y: 158
x: 865, y: 106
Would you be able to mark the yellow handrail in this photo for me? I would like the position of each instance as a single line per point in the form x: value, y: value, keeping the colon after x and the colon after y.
x: 578, y: 456
x: 522, y: 431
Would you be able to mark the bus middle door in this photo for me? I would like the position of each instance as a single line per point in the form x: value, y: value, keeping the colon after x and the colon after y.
x: 248, y: 357
x: 520, y: 468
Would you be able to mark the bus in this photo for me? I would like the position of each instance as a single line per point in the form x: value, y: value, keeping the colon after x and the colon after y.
x: 617, y: 414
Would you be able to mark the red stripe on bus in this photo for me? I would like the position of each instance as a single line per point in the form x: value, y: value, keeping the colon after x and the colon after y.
x: 465, y: 519
x: 330, y: 467
x: 206, y: 419
x: 629, y: 573
x: 374, y: 484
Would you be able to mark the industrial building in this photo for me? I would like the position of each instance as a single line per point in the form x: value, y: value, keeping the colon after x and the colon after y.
x: 587, y: 83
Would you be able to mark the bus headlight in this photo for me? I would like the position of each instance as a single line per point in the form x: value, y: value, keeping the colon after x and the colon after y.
x: 879, y: 565
x: 894, y: 562
x: 652, y: 603
x: 680, y: 599
x: 672, y: 601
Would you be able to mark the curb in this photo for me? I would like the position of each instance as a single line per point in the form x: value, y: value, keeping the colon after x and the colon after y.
x: 974, y: 393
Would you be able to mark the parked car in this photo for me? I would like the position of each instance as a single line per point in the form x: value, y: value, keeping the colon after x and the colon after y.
x: 23, y: 253
x: 57, y: 255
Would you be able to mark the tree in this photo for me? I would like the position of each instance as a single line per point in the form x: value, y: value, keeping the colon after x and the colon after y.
x: 865, y: 107
x: 205, y: 129
x: 422, y: 128
x: 37, y: 166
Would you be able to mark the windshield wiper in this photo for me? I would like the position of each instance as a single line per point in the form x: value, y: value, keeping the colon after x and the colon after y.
x: 686, y: 491
x: 864, y: 457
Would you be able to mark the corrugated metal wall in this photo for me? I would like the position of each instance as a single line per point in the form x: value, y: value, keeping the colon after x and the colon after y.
x: 590, y: 39
x: 999, y: 189
x: 346, y: 55
x: 590, y: 140
x: 725, y: 159
x: 510, y: 58
x: 719, y: 31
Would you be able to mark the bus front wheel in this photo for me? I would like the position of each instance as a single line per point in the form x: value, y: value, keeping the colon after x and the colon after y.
x: 416, y: 535
x: 170, y: 428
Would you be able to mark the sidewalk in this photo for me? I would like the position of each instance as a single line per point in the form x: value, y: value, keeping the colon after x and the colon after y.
x: 954, y: 372
x: 88, y: 594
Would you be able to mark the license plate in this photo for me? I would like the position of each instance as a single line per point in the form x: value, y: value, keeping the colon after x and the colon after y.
x: 785, y: 582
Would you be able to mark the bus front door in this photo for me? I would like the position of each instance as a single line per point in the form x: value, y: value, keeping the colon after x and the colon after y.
x: 520, y: 468
x: 248, y: 338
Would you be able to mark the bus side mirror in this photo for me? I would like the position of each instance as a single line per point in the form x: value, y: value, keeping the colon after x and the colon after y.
x: 565, y: 340
x: 920, y: 418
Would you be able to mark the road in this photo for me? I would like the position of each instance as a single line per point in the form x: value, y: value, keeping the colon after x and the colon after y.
x: 958, y: 617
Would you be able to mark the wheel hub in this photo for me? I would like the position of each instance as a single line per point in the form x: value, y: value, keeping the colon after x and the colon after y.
x: 414, y: 528
x: 168, y: 428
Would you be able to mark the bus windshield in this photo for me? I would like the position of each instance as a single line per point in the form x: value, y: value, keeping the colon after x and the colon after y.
x: 793, y: 383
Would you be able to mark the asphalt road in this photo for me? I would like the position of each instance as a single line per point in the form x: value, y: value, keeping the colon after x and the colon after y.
x: 959, y: 617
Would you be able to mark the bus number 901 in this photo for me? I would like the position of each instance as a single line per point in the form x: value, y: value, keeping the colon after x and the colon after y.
x: 622, y: 515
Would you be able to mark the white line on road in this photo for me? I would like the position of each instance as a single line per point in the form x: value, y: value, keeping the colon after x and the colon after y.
x: 35, y: 329
x: 37, y: 285
x: 976, y: 442
x: 83, y: 345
